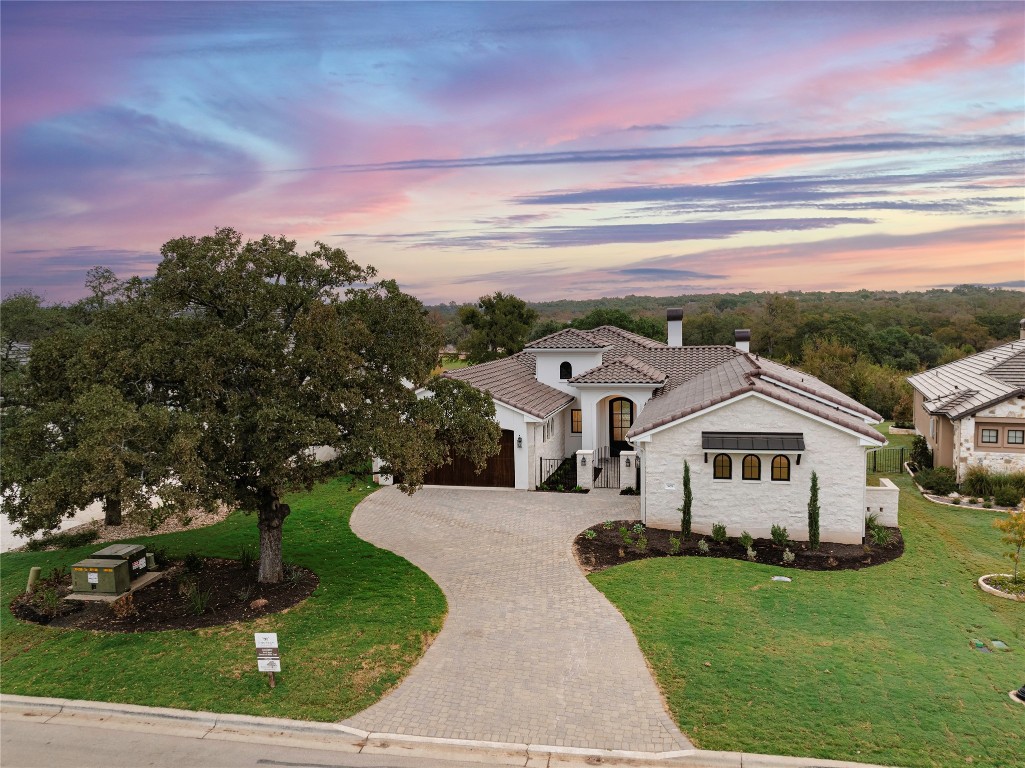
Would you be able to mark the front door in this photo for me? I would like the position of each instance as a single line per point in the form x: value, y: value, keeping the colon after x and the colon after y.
x: 621, y: 418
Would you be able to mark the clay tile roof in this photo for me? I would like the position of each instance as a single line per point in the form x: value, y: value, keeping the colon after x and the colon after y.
x: 511, y: 381
x: 622, y: 370
x: 568, y: 338
x: 966, y: 386
x: 740, y: 374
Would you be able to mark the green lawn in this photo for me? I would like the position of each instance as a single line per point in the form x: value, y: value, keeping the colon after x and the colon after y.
x: 359, y: 633
x: 870, y: 665
x: 895, y: 441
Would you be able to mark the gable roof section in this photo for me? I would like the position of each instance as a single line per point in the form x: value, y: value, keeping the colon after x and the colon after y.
x: 567, y: 338
x: 511, y: 381
x: 741, y: 375
x: 622, y: 370
x: 966, y: 386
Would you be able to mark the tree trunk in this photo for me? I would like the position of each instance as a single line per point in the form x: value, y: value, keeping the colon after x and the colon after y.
x: 272, y: 516
x: 112, y: 510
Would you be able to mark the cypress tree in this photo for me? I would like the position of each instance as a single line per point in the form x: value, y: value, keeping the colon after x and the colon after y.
x: 813, y: 512
x: 688, y: 501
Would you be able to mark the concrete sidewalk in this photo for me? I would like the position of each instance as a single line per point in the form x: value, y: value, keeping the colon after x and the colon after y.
x: 335, y: 737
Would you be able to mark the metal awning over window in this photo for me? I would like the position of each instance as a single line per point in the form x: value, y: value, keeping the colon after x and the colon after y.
x: 776, y: 442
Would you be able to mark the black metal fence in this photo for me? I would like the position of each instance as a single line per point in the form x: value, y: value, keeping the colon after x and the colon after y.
x: 606, y: 469
x: 550, y: 467
x: 887, y: 461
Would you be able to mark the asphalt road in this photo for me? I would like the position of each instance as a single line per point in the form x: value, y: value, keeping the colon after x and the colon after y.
x: 34, y: 744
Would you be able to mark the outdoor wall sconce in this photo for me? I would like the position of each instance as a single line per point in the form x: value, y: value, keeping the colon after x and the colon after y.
x: 583, y: 461
x: 628, y: 461
x: 519, y: 441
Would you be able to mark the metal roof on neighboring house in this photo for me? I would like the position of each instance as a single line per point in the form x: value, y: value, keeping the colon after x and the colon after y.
x: 966, y: 386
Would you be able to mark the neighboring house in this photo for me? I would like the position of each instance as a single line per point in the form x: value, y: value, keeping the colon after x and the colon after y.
x: 630, y: 410
x: 972, y: 411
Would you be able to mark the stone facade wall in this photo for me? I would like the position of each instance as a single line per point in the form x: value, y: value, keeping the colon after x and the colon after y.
x: 553, y: 448
x: 882, y: 502
x: 755, y: 506
x: 967, y: 453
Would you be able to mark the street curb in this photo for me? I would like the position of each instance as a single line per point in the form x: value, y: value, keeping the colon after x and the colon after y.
x: 342, y: 738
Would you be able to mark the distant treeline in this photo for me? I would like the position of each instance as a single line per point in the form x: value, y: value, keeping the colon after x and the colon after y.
x: 864, y: 343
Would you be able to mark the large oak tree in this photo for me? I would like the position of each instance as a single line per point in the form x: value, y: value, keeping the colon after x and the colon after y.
x: 209, y: 384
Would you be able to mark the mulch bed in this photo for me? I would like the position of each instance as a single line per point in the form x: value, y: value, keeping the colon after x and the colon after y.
x: 607, y: 549
x: 234, y: 595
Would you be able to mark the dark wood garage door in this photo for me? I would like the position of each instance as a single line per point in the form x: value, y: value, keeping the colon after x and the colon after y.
x: 499, y: 473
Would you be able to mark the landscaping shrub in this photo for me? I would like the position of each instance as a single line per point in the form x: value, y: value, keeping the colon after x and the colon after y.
x: 1007, y: 496
x: 789, y: 557
x: 674, y: 545
x: 703, y: 547
x: 746, y: 540
x: 979, y: 481
x: 921, y: 456
x: 63, y: 540
x: 780, y: 537
x: 877, y: 532
x: 718, y: 533
x: 940, y: 480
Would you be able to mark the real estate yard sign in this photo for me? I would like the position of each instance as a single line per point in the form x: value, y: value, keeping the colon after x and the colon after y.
x: 267, y: 658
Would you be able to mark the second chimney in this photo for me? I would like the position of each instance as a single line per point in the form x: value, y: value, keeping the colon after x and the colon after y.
x: 743, y: 339
x: 674, y: 319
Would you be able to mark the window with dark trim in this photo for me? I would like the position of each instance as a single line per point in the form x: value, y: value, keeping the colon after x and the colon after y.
x: 991, y: 436
x: 1016, y: 437
x: 565, y: 371
x: 722, y: 467
x: 576, y: 421
x: 752, y: 467
x: 781, y: 468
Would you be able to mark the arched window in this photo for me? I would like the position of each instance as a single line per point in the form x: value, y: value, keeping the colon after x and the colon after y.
x: 781, y: 468
x: 565, y: 371
x: 722, y: 467
x: 752, y: 467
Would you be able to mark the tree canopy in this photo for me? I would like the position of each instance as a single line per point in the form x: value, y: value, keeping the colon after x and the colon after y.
x: 499, y: 326
x: 209, y: 384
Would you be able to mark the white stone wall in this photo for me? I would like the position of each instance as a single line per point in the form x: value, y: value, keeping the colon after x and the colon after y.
x: 515, y: 421
x: 755, y: 506
x: 546, y: 368
x: 627, y: 474
x: 554, y: 448
x: 882, y: 501
x: 585, y: 468
x: 967, y: 454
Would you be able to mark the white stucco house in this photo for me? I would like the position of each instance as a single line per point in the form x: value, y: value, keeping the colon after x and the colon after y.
x: 629, y: 411
x: 972, y: 411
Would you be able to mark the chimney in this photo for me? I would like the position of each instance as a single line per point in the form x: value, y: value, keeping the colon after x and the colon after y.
x: 1021, y: 328
x: 743, y: 338
x: 674, y: 319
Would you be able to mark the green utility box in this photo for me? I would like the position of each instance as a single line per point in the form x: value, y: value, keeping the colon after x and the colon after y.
x: 133, y: 554
x: 100, y: 576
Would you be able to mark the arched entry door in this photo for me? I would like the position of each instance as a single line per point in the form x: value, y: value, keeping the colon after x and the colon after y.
x: 621, y: 418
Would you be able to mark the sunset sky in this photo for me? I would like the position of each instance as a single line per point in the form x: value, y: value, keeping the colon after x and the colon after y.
x: 545, y: 149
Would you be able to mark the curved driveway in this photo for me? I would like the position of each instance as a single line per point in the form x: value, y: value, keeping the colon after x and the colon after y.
x: 530, y: 652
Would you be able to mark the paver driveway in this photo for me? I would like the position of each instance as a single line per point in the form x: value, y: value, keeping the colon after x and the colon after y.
x: 530, y: 652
